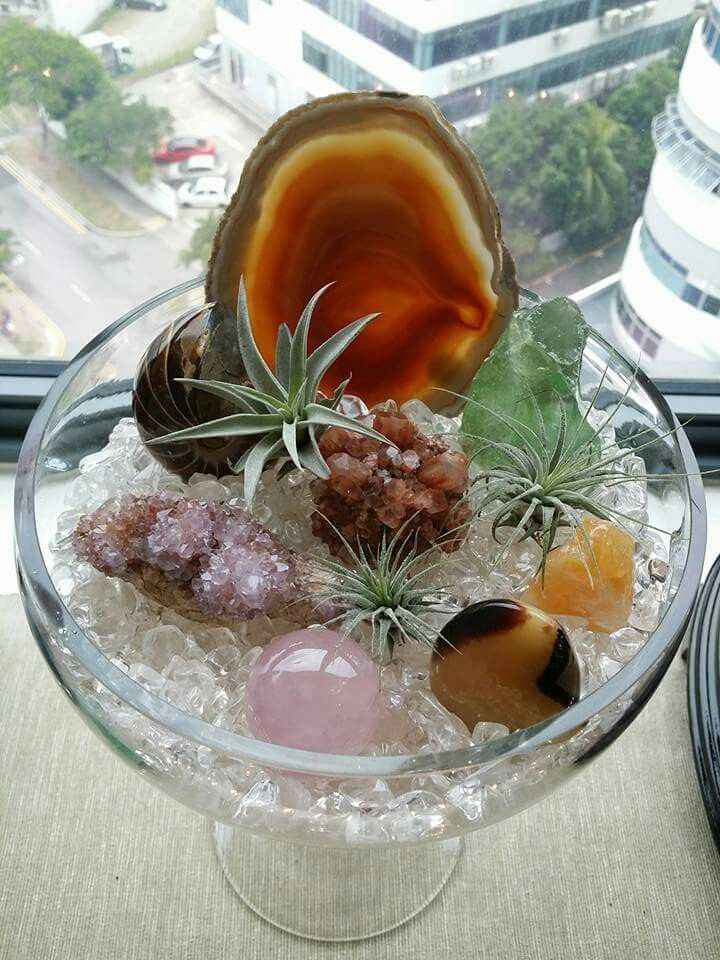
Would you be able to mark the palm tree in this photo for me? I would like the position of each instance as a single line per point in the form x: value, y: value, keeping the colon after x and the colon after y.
x: 583, y: 183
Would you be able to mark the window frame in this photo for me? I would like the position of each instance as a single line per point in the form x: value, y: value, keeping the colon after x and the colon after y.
x: 24, y: 384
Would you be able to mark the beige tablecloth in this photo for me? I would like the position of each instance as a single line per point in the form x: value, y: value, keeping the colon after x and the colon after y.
x: 97, y: 865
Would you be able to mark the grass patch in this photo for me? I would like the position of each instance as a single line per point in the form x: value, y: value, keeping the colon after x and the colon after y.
x: 158, y: 66
x: 80, y: 185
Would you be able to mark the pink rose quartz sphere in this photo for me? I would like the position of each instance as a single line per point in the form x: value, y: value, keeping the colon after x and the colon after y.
x: 314, y: 690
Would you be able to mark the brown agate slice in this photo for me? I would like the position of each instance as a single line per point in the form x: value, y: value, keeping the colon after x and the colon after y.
x: 378, y: 193
x: 504, y: 662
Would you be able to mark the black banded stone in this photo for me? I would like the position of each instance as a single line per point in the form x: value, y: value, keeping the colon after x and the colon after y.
x: 504, y: 662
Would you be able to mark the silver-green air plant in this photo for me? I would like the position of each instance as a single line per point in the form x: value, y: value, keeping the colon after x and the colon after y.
x: 281, y: 412
x: 384, y: 588
x: 540, y: 483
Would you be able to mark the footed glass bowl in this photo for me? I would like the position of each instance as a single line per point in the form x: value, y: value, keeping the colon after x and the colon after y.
x: 295, y: 831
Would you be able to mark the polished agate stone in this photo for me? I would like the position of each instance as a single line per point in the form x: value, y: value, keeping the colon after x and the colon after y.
x: 314, y: 690
x: 504, y: 662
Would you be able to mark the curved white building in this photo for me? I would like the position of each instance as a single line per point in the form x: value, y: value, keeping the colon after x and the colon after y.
x: 668, y: 300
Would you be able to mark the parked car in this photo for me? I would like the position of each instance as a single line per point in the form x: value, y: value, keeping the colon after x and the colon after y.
x: 180, y: 148
x: 142, y: 4
x: 205, y: 192
x: 201, y: 165
x: 208, y: 52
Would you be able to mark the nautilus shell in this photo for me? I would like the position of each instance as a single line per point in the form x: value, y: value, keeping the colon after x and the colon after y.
x: 199, y: 344
x: 378, y: 193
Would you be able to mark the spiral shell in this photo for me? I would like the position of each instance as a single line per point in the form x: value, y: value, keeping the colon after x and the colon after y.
x: 200, y: 344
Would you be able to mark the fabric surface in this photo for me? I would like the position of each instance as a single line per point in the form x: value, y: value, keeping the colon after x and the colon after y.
x: 95, y: 864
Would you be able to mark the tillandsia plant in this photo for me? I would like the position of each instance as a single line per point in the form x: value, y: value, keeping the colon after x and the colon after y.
x: 541, y: 484
x: 281, y: 412
x: 383, y: 588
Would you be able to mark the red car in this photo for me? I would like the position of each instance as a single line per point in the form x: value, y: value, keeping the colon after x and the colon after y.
x: 180, y: 148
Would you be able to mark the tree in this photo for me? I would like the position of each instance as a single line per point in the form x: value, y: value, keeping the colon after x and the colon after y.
x: 510, y: 147
x: 108, y: 132
x: 46, y: 69
x: 198, y: 250
x: 583, y: 184
x: 633, y: 106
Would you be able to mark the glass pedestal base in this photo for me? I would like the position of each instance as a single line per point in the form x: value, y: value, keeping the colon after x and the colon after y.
x: 333, y: 893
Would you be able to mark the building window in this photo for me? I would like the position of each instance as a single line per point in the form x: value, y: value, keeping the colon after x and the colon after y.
x: 316, y: 54
x: 387, y: 32
x: 334, y: 65
x: 467, y: 102
x: 467, y: 39
x: 673, y: 275
x: 645, y: 337
x: 543, y: 17
x: 711, y: 33
x: 238, y: 8
x: 322, y: 4
x: 605, y: 5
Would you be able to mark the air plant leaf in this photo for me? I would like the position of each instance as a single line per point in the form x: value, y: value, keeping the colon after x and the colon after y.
x: 258, y: 371
x: 327, y: 353
x: 282, y: 410
x: 382, y: 588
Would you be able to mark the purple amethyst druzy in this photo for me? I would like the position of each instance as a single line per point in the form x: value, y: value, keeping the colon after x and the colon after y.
x: 233, y: 565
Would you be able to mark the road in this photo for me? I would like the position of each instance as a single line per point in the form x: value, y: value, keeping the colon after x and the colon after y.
x: 81, y: 280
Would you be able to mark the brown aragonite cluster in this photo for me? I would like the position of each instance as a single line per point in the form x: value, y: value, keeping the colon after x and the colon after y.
x: 374, y: 488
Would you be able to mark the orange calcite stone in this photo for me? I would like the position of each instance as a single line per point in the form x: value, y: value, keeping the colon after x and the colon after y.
x: 575, y: 587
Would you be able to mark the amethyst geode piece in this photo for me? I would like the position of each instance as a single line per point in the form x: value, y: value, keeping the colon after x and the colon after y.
x: 200, y: 558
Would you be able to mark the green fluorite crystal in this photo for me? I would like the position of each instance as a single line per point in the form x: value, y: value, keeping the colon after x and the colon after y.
x: 532, y: 373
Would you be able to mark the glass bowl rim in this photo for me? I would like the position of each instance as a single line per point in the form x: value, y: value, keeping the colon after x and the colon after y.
x: 29, y: 557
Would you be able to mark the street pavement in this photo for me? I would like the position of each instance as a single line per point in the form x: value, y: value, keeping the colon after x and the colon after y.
x: 81, y: 280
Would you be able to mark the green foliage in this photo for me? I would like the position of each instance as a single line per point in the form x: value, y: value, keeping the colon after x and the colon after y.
x: 582, y: 170
x: 282, y: 412
x: 386, y: 590
x: 7, y: 248
x: 41, y: 67
x: 200, y: 246
x: 633, y: 106
x: 511, y: 147
x: 584, y: 186
x: 108, y: 132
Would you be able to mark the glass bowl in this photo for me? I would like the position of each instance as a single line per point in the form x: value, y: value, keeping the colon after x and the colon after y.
x: 295, y: 830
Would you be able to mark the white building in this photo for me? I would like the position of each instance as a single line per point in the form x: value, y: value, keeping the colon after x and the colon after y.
x: 668, y: 301
x: 284, y: 52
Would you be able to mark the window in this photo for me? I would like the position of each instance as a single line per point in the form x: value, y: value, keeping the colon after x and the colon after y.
x: 645, y: 337
x: 711, y: 33
x: 543, y: 17
x: 453, y: 44
x: 337, y: 67
x: 237, y: 7
x: 386, y: 31
x: 88, y: 242
x: 465, y: 102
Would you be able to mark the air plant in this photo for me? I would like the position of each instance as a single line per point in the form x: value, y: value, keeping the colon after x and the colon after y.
x: 385, y: 588
x: 281, y: 413
x: 542, y: 484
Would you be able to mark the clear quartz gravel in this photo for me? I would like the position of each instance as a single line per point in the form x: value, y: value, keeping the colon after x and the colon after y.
x: 203, y: 668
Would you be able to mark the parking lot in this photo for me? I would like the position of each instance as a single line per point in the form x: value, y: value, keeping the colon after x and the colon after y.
x: 155, y: 36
